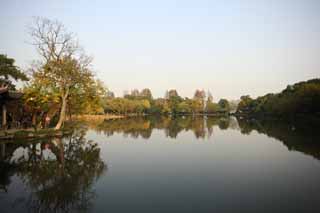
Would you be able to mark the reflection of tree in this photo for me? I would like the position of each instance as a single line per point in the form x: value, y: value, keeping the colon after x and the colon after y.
x: 6, y: 171
x: 60, y: 173
x: 143, y: 126
x: 301, y: 135
x: 135, y: 127
x: 198, y: 127
x: 176, y: 125
x: 221, y: 122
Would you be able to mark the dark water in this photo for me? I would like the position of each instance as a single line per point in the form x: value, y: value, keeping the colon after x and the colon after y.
x: 184, y: 164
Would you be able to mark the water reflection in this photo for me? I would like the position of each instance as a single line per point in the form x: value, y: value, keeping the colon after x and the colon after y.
x: 301, y: 135
x: 58, y: 174
x: 143, y: 126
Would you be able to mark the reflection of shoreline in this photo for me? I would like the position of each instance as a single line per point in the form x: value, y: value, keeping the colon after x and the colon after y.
x: 58, y: 173
x: 96, y: 117
x: 301, y: 135
x: 201, y: 126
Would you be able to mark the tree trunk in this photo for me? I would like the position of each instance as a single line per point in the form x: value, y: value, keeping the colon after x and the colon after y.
x: 4, y: 116
x: 63, y: 111
x: 34, y: 119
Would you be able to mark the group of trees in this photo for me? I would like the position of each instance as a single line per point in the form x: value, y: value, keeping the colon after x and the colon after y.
x: 60, y: 82
x: 64, y: 74
x: 143, y: 103
x: 300, y: 98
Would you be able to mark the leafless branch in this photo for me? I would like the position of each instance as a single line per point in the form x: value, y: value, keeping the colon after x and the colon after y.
x: 52, y: 40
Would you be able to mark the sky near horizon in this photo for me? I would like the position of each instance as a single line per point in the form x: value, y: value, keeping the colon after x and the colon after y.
x: 230, y: 47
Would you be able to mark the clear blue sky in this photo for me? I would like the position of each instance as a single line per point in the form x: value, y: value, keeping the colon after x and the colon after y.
x: 230, y: 47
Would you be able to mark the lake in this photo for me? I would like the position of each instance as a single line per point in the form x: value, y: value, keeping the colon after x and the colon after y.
x: 166, y: 164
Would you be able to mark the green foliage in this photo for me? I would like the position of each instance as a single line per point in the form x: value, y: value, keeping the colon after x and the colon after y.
x: 183, y: 108
x: 64, y: 67
x: 9, y: 71
x: 136, y: 95
x: 173, y: 102
x: 126, y: 106
x: 88, y: 100
x: 212, y: 108
x: 301, y: 98
x: 38, y: 98
x: 224, y: 105
x: 159, y: 106
x: 141, y: 102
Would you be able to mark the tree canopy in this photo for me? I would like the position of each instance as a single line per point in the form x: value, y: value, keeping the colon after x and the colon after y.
x: 300, y: 98
x: 9, y: 71
x: 64, y: 68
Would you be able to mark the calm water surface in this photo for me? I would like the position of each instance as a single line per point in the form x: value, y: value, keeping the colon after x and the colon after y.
x: 162, y: 164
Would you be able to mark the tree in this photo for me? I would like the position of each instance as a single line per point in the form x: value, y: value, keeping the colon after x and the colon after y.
x: 173, y: 99
x: 300, y: 98
x: 212, y: 108
x: 210, y: 97
x: 171, y: 93
x: 39, y: 101
x: 160, y: 106
x: 224, y: 105
x: 244, y: 104
x: 146, y: 93
x: 64, y: 66
x: 199, y: 97
x: 9, y: 71
x: 88, y: 100
x: 183, y: 108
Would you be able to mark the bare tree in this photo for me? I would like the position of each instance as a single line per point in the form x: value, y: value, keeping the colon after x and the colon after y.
x: 64, y: 66
x: 52, y: 40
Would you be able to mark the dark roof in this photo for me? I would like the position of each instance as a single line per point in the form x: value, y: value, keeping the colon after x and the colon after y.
x: 11, y: 95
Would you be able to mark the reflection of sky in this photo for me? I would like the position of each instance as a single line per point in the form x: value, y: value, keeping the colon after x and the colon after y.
x: 231, y: 47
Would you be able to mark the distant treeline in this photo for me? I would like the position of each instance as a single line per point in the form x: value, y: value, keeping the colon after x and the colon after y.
x: 299, y: 99
x: 142, y: 102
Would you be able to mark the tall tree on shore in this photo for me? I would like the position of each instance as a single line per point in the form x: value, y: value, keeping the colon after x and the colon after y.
x: 146, y: 93
x: 224, y: 105
x: 199, y: 97
x: 173, y: 99
x: 64, y: 66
